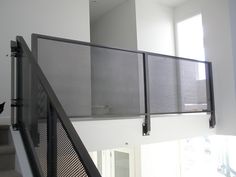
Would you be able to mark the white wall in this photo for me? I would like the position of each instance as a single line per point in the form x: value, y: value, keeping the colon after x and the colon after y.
x: 108, y: 134
x: 154, y: 160
x: 116, y: 28
x: 232, y: 12
x: 69, y: 19
x: 155, y: 31
x: 218, y: 48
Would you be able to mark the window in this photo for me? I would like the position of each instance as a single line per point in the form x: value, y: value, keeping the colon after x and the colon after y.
x: 115, y: 162
x: 190, y: 41
x: 212, y: 156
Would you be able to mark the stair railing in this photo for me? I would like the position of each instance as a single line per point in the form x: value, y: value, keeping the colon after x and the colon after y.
x: 52, y: 143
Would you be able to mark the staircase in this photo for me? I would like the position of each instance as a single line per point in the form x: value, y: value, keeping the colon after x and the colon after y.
x: 7, y: 154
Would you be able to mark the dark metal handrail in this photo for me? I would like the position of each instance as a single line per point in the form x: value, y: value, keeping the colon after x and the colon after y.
x: 79, y: 147
x: 34, y: 38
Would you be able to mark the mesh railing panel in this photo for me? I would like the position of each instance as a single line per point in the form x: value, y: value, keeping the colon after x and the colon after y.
x: 41, y: 149
x: 43, y: 120
x: 163, y: 85
x: 116, y: 82
x: 68, y: 162
x: 93, y: 81
x: 41, y: 112
x: 177, y: 85
x: 113, y: 80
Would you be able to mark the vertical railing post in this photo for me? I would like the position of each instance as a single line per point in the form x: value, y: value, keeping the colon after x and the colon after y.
x: 13, y: 84
x: 147, y: 122
x: 178, y: 87
x: 19, y: 105
x: 16, y: 85
x: 51, y: 142
x: 210, y: 94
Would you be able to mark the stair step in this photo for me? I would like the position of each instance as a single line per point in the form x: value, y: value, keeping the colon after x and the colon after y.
x: 4, y: 127
x: 10, y: 173
x: 7, y: 158
x: 4, y: 134
x: 7, y: 149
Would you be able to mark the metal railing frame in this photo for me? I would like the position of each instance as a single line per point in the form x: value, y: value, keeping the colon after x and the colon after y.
x: 77, y: 144
x: 147, y: 121
x: 20, y: 50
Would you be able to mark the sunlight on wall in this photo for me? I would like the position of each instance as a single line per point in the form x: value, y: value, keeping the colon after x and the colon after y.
x: 212, y: 156
x: 161, y: 159
x: 190, y: 41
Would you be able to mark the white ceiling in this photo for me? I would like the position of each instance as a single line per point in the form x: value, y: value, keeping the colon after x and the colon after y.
x: 100, y: 7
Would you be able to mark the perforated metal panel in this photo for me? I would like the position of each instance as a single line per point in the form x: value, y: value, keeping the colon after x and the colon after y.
x: 114, y: 82
x: 175, y: 85
x: 48, y: 145
x: 41, y: 149
x: 68, y: 162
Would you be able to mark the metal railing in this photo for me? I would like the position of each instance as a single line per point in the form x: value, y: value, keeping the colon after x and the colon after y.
x: 88, y: 80
x: 53, y: 145
x: 105, y: 82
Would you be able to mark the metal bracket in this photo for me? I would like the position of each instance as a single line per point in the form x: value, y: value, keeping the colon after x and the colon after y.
x: 16, y: 103
x: 212, y: 121
x: 15, y: 50
x: 146, y: 127
x: 147, y: 123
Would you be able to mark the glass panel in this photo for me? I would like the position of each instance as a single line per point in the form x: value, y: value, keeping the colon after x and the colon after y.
x: 93, y: 81
x: 175, y: 87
